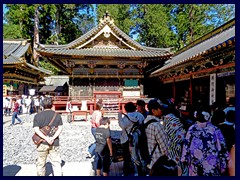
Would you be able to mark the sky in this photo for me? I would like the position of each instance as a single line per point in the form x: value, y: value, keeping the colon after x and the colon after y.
x: 4, y: 10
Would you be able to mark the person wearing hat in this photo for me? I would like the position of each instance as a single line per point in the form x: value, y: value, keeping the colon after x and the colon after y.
x: 155, y: 131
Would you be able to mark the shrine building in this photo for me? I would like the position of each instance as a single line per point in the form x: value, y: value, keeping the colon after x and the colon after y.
x: 105, y: 59
x: 202, y: 72
x: 20, y: 72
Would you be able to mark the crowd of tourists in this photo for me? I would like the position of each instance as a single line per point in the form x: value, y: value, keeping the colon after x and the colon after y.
x: 157, y: 141
x: 199, y: 144
x: 22, y: 105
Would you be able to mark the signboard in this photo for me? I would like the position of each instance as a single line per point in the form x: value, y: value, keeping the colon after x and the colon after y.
x: 31, y: 92
x: 212, y: 94
x: 131, y: 82
x: 131, y: 93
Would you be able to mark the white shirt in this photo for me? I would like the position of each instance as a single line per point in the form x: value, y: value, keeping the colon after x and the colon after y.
x: 28, y: 101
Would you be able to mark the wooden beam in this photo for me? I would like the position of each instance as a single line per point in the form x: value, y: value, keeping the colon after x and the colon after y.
x: 108, y: 76
x: 201, y: 71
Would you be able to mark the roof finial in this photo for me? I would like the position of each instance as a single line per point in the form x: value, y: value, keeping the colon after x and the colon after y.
x: 106, y: 13
x: 106, y: 18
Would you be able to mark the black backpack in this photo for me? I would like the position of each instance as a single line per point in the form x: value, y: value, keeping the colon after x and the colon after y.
x: 137, y: 135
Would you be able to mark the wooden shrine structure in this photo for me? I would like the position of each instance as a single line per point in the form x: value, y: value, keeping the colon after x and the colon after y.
x: 202, y: 72
x: 105, y: 59
x: 20, y: 71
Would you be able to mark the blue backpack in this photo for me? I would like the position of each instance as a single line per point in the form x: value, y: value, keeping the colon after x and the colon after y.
x: 138, y: 140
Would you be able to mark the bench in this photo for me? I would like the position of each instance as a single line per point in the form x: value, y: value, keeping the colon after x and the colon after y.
x: 82, y: 113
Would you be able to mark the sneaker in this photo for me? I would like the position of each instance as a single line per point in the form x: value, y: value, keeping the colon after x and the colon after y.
x: 11, y: 125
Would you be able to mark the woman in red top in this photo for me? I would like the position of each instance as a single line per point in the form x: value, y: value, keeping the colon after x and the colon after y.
x: 15, y: 112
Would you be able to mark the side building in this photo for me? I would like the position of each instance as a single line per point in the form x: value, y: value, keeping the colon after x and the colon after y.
x: 202, y: 72
x: 20, y: 72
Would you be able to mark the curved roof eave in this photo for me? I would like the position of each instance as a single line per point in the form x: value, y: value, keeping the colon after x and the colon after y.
x: 82, y: 39
x: 104, y: 52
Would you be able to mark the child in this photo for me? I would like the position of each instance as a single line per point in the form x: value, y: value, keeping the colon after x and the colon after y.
x: 103, y: 147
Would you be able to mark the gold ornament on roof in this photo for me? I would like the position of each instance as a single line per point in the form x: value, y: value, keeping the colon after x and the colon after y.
x: 106, y: 18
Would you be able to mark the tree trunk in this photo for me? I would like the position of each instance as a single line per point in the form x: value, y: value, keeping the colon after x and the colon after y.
x: 58, y: 27
x: 36, y: 35
x: 191, y: 22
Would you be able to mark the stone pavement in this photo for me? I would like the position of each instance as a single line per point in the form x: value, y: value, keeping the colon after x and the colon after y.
x: 69, y: 168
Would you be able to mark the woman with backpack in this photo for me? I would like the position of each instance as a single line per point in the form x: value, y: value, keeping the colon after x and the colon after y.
x: 126, y: 121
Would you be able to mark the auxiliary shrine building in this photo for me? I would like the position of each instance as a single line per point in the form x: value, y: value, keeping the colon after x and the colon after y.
x: 202, y: 72
x: 20, y: 71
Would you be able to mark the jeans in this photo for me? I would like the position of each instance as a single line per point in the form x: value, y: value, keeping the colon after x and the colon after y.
x: 14, y: 115
x: 54, y: 156
x: 136, y: 156
x: 93, y: 131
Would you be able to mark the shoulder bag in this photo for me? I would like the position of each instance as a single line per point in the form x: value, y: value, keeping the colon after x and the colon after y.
x: 45, y: 130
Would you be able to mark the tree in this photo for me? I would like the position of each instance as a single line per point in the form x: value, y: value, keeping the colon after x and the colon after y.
x: 48, y: 23
x: 11, y: 31
x: 22, y: 16
x: 191, y: 21
x: 153, y: 25
x: 70, y: 21
x: 121, y: 13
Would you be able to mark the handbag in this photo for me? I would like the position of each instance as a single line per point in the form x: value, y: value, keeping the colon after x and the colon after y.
x: 117, y: 151
x: 45, y: 130
x: 164, y: 167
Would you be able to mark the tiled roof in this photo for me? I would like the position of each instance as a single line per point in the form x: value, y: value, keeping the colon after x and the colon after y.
x: 68, y: 49
x: 199, y: 49
x: 11, y: 60
x: 13, y: 50
x: 104, y: 52
x: 16, y: 49
x: 39, y: 69
x: 51, y: 88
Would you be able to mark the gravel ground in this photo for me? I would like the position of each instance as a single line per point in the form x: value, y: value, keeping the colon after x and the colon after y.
x: 18, y: 147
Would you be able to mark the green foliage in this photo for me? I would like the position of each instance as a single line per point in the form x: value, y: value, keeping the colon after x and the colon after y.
x: 120, y: 13
x: 153, y: 25
x: 21, y: 15
x: 46, y: 65
x: 11, y: 31
x: 191, y: 21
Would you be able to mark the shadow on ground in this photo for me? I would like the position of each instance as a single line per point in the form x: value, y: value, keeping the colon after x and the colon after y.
x: 11, y: 170
x: 49, y: 169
